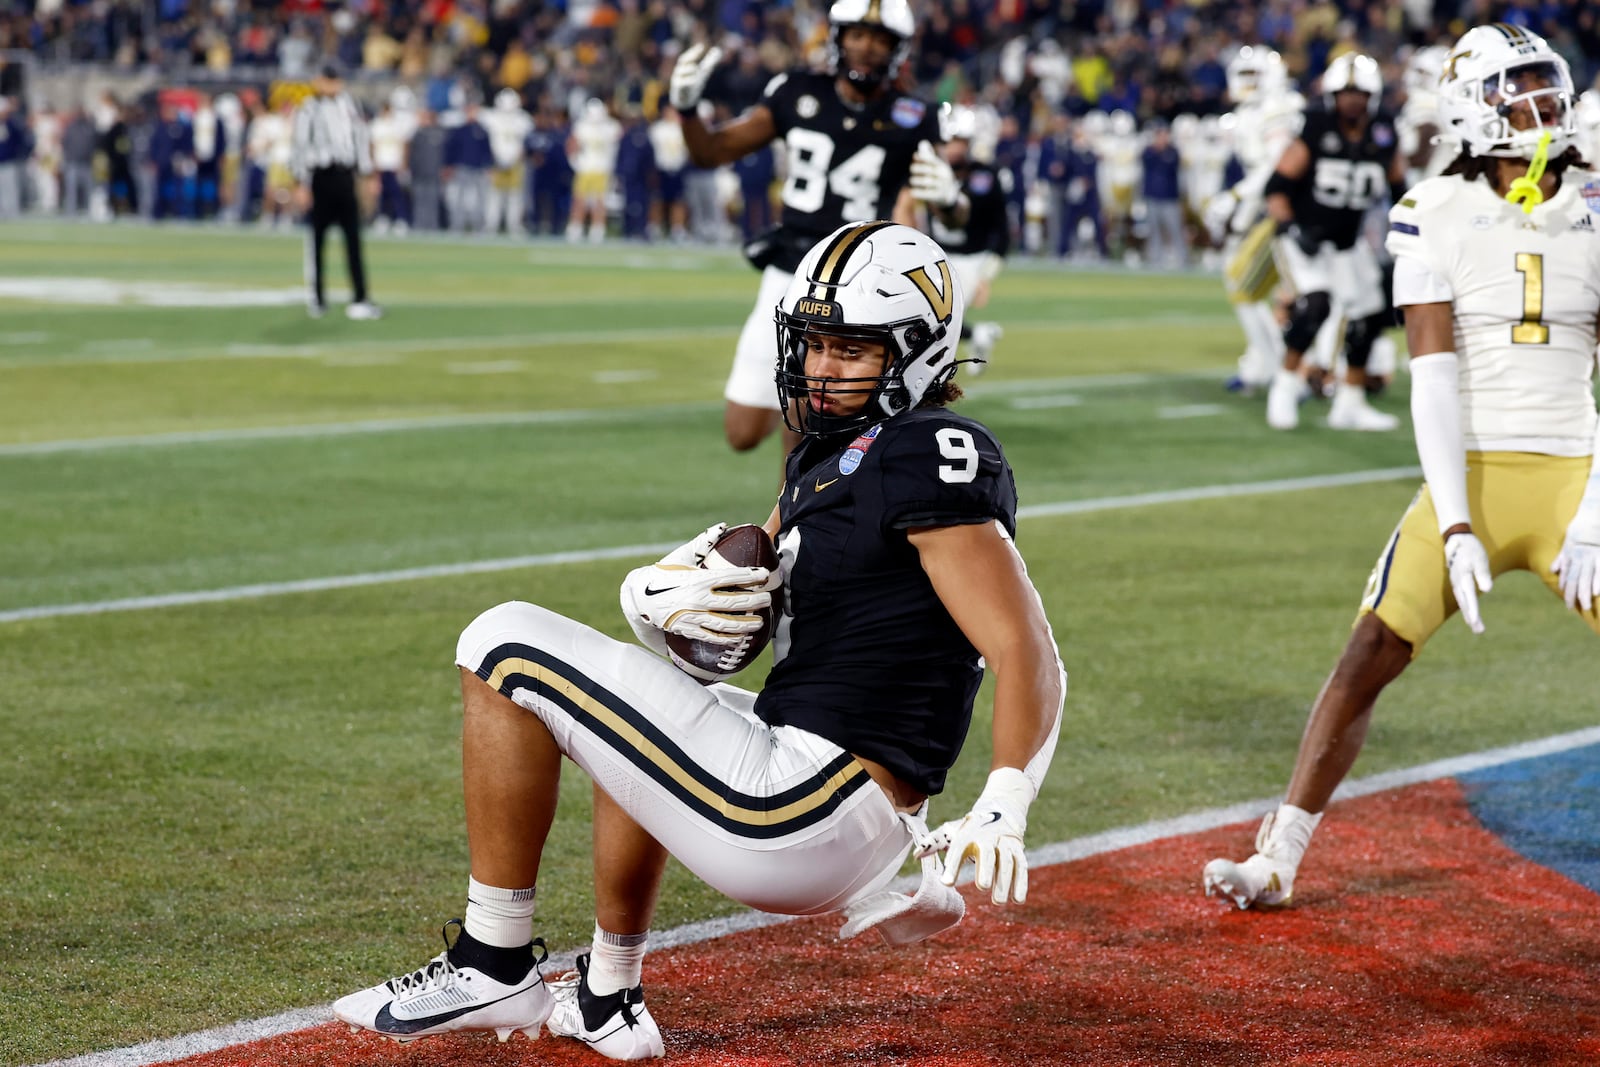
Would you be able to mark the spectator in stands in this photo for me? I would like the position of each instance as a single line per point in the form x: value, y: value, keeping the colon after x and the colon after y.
x: 468, y: 159
x: 171, y: 159
x: 549, y: 171
x: 756, y: 173
x: 636, y: 174
x: 425, y: 160
x: 79, y: 142
x: 15, y: 149
x: 1163, y: 200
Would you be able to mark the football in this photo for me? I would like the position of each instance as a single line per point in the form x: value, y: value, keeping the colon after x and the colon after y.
x: 740, y: 546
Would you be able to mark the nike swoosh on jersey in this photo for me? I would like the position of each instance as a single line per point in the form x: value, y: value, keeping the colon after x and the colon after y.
x: 386, y: 1023
x: 821, y: 485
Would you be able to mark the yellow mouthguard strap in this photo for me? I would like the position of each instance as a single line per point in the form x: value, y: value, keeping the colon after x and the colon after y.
x: 1525, y: 190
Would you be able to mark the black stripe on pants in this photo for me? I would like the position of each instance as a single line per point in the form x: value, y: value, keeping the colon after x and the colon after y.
x: 334, y: 203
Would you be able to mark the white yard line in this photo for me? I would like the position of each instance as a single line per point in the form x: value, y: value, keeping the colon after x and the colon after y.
x: 348, y: 581
x: 1045, y: 855
x: 143, y: 350
x: 514, y: 418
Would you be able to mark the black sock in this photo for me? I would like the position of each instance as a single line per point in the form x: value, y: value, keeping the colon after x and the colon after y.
x: 507, y: 966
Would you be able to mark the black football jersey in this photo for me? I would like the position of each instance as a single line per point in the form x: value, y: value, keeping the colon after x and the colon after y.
x: 865, y: 653
x: 843, y: 164
x: 1345, y: 178
x: 987, y: 229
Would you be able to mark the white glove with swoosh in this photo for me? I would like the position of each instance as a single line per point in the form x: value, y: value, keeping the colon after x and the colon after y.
x: 1469, y: 575
x: 677, y: 595
x: 690, y: 74
x: 991, y: 833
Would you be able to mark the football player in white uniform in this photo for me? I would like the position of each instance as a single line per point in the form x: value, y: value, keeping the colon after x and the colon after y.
x: 900, y: 580
x: 1497, y: 265
x: 1428, y: 148
x: 1266, y: 119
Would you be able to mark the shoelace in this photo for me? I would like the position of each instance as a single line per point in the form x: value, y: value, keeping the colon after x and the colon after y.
x: 436, y: 974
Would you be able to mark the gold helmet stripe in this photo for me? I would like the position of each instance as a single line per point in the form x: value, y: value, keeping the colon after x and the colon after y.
x: 830, y: 267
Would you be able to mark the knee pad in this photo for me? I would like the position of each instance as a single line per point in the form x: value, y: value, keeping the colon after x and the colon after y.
x: 1358, y: 339
x: 1306, y: 317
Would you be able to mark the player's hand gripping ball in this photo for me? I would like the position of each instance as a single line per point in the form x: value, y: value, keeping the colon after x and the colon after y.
x: 708, y: 662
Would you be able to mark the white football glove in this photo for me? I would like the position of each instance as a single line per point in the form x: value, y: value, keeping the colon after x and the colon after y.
x: 1469, y: 575
x: 932, y: 180
x: 991, y: 833
x: 1578, y: 563
x: 676, y: 595
x: 1219, y: 214
x: 690, y: 74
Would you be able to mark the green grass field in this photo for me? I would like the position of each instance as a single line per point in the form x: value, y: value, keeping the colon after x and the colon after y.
x: 222, y: 810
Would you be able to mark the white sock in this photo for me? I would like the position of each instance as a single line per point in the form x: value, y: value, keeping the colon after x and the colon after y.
x: 499, y: 917
x: 616, y: 961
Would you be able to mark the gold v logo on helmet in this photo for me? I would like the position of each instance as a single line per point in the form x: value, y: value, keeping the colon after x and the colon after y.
x: 1450, y: 64
x: 941, y: 297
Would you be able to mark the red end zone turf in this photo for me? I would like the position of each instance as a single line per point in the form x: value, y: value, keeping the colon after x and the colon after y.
x: 1416, y: 937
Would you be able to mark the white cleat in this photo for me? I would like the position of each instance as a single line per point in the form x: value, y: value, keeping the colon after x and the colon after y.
x: 1261, y: 881
x: 984, y: 336
x: 1283, y: 400
x: 363, y: 311
x: 1351, y: 411
x: 617, y: 1025
x: 446, y: 995
x: 1267, y: 878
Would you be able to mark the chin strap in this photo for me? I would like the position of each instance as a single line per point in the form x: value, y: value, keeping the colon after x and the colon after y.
x: 1525, y: 190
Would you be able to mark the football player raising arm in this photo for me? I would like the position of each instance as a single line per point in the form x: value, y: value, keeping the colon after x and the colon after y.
x: 850, y: 140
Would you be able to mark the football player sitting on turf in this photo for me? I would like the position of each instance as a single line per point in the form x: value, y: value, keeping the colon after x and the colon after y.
x: 1498, y: 258
x: 901, y: 581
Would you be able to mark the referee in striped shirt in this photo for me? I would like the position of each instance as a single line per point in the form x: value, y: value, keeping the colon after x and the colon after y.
x: 329, y: 148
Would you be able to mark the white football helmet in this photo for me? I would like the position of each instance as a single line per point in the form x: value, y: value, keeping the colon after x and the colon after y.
x: 879, y: 282
x: 1356, y: 72
x: 893, y: 16
x: 958, y: 122
x: 1421, y: 78
x: 1255, y: 70
x: 1496, y: 72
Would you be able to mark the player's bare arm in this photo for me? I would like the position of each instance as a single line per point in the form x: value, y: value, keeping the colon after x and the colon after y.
x: 982, y: 582
x: 733, y: 140
x: 1294, y: 164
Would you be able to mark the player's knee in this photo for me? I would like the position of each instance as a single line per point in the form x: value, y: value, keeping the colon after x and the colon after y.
x: 1306, y: 317
x: 515, y: 620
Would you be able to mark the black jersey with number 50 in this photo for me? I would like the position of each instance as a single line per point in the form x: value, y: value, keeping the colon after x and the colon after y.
x: 1346, y: 176
x: 865, y: 653
x: 843, y: 164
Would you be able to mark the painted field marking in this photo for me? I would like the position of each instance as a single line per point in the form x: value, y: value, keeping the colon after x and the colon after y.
x: 567, y: 338
x: 487, y: 566
x: 516, y: 418
x: 1039, y: 403
x: 1190, y: 411
x: 1044, y: 856
x: 496, y: 366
